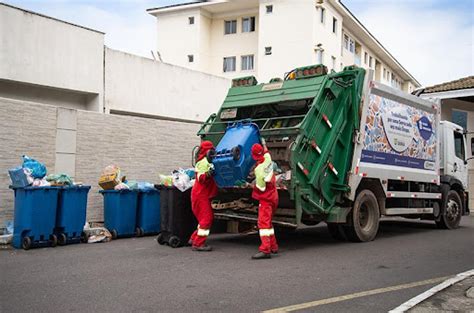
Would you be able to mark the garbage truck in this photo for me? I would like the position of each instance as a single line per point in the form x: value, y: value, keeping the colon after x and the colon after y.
x: 347, y: 151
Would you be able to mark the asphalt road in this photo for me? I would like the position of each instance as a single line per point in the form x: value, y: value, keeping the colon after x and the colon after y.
x: 138, y: 275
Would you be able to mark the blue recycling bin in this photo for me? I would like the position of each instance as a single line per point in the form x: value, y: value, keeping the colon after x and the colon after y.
x: 233, y: 159
x: 71, y: 214
x: 120, y: 212
x: 35, y: 216
x: 148, y: 212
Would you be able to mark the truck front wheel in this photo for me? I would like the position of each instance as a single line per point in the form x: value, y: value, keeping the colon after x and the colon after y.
x: 452, y: 212
x: 363, y: 220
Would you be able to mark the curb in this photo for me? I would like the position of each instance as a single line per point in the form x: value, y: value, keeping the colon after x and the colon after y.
x: 427, y: 294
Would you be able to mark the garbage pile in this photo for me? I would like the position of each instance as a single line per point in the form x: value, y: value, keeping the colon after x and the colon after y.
x: 182, y: 179
x: 33, y: 173
x: 6, y: 233
x: 112, y: 179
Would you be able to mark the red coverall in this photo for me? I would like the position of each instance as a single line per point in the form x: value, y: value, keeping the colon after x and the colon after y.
x: 203, y: 191
x: 268, y: 204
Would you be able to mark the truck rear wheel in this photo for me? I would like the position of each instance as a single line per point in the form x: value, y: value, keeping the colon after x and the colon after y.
x: 363, y: 221
x: 452, y: 212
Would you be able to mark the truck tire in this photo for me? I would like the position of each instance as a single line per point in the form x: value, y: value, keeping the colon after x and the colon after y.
x: 363, y: 220
x: 452, y: 211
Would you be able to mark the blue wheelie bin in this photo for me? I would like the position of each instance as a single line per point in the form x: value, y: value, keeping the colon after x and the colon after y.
x: 148, y: 212
x: 120, y: 212
x: 35, y: 217
x: 71, y: 214
x: 233, y: 159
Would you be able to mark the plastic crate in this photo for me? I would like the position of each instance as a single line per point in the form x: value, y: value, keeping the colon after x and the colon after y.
x: 71, y: 214
x: 233, y: 159
x: 120, y: 212
x: 35, y: 216
x: 148, y: 212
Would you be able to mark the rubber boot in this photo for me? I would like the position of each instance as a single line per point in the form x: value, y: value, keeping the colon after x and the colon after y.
x: 261, y: 255
x: 204, y: 248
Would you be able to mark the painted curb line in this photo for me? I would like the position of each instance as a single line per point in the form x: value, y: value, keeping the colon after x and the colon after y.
x: 427, y: 294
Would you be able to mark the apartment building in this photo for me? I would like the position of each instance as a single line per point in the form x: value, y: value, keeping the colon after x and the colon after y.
x: 266, y: 38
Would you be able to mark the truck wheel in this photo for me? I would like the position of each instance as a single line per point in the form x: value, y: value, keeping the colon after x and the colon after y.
x: 364, y: 218
x: 452, y: 213
x: 336, y: 231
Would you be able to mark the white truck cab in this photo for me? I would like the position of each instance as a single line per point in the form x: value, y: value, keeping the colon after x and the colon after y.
x: 453, y: 153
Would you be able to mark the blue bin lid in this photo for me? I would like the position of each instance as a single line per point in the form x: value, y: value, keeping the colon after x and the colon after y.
x: 76, y: 187
x: 34, y: 188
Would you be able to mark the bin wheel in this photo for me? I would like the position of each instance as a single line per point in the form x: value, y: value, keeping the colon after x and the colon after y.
x: 138, y: 232
x: 160, y: 239
x: 62, y: 239
x: 236, y: 153
x: 26, y: 243
x: 174, y: 242
x: 114, y: 234
x: 84, y: 238
x: 53, y: 240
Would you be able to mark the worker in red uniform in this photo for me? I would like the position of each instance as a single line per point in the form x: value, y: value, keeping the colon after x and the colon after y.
x: 266, y: 193
x: 203, y: 191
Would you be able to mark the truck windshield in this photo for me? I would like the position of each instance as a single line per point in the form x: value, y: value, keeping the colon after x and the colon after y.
x: 459, y: 145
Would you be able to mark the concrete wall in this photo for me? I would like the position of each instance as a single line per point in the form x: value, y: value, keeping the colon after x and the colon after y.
x: 142, y: 85
x: 42, y: 51
x: 88, y: 141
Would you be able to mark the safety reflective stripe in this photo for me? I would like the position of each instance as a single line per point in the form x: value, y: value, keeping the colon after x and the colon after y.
x: 203, y: 232
x: 266, y: 232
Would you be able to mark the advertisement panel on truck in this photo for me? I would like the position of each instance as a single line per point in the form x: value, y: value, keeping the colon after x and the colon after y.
x: 399, y: 135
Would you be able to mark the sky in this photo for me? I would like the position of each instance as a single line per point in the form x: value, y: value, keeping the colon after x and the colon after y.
x: 432, y: 39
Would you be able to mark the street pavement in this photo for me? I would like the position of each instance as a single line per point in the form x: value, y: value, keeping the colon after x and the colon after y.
x: 138, y: 275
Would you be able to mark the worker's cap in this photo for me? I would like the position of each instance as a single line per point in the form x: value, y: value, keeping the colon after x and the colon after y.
x: 257, y: 151
x: 206, y: 145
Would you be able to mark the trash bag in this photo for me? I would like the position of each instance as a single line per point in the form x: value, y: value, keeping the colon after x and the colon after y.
x: 166, y: 180
x: 182, y: 181
x: 38, y: 170
x: 132, y: 185
x: 121, y: 186
x: 41, y: 183
x: 144, y: 186
x: 59, y: 180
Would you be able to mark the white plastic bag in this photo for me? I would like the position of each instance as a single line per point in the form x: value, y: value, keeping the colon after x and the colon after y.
x: 182, y: 181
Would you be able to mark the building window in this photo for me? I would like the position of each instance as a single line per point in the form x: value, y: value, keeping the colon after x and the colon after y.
x: 191, y: 20
x: 349, y: 44
x: 268, y: 50
x: 384, y: 73
x: 319, y: 57
x: 229, y: 64
x: 248, y: 24
x: 247, y: 63
x: 230, y: 27
x: 366, y: 58
x: 371, y: 61
x: 190, y: 58
x: 334, y: 25
x: 322, y: 13
x: 333, y: 63
x: 269, y: 8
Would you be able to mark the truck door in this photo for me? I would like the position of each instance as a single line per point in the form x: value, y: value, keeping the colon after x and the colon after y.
x: 458, y: 167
